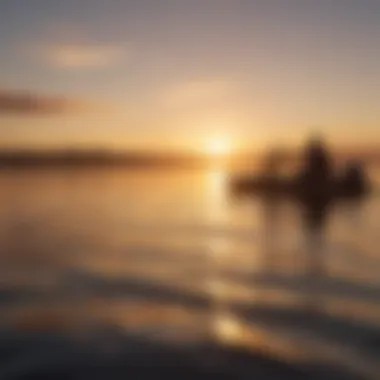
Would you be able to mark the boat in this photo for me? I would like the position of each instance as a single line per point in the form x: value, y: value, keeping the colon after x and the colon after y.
x: 316, y: 182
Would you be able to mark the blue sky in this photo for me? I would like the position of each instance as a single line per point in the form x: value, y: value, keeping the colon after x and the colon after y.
x: 175, y: 73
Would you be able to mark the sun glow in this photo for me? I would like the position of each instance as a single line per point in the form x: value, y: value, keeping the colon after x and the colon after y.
x: 218, y: 146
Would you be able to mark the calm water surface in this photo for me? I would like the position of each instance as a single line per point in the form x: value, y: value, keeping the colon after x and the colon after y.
x: 172, y: 255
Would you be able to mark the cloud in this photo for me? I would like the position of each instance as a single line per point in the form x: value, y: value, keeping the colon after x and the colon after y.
x: 20, y: 103
x: 82, y: 56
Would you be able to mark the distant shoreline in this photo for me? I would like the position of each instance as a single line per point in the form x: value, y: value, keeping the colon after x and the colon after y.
x: 25, y: 159
x: 94, y: 159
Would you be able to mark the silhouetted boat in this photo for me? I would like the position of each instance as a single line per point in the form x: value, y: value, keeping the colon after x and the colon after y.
x: 261, y: 185
x: 290, y: 188
x: 314, y: 184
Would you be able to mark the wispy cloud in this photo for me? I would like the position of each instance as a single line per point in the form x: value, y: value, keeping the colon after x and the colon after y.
x: 23, y: 103
x: 82, y: 56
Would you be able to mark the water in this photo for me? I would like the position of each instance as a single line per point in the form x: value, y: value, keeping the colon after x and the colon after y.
x: 170, y: 255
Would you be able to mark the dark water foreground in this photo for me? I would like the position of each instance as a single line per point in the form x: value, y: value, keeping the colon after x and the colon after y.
x: 110, y: 354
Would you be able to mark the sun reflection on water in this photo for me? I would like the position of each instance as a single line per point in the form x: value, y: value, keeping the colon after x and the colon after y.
x: 227, y: 329
x: 217, y: 202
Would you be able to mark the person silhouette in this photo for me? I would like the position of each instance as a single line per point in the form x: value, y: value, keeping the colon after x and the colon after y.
x: 316, y: 172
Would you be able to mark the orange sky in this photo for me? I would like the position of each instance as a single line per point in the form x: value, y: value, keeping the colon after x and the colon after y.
x: 184, y: 75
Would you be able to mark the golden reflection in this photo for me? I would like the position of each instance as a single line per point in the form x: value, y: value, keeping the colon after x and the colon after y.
x: 217, y: 206
x: 227, y: 329
x: 217, y: 180
x: 216, y: 196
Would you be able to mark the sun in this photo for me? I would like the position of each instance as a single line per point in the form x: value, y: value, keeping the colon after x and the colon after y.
x: 218, y: 146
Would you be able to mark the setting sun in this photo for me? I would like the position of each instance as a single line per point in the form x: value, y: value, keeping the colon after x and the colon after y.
x: 218, y: 146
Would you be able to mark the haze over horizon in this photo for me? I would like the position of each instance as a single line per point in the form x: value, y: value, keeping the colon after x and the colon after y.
x: 212, y: 76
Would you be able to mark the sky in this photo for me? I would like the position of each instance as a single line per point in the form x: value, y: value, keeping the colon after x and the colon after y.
x: 180, y: 74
